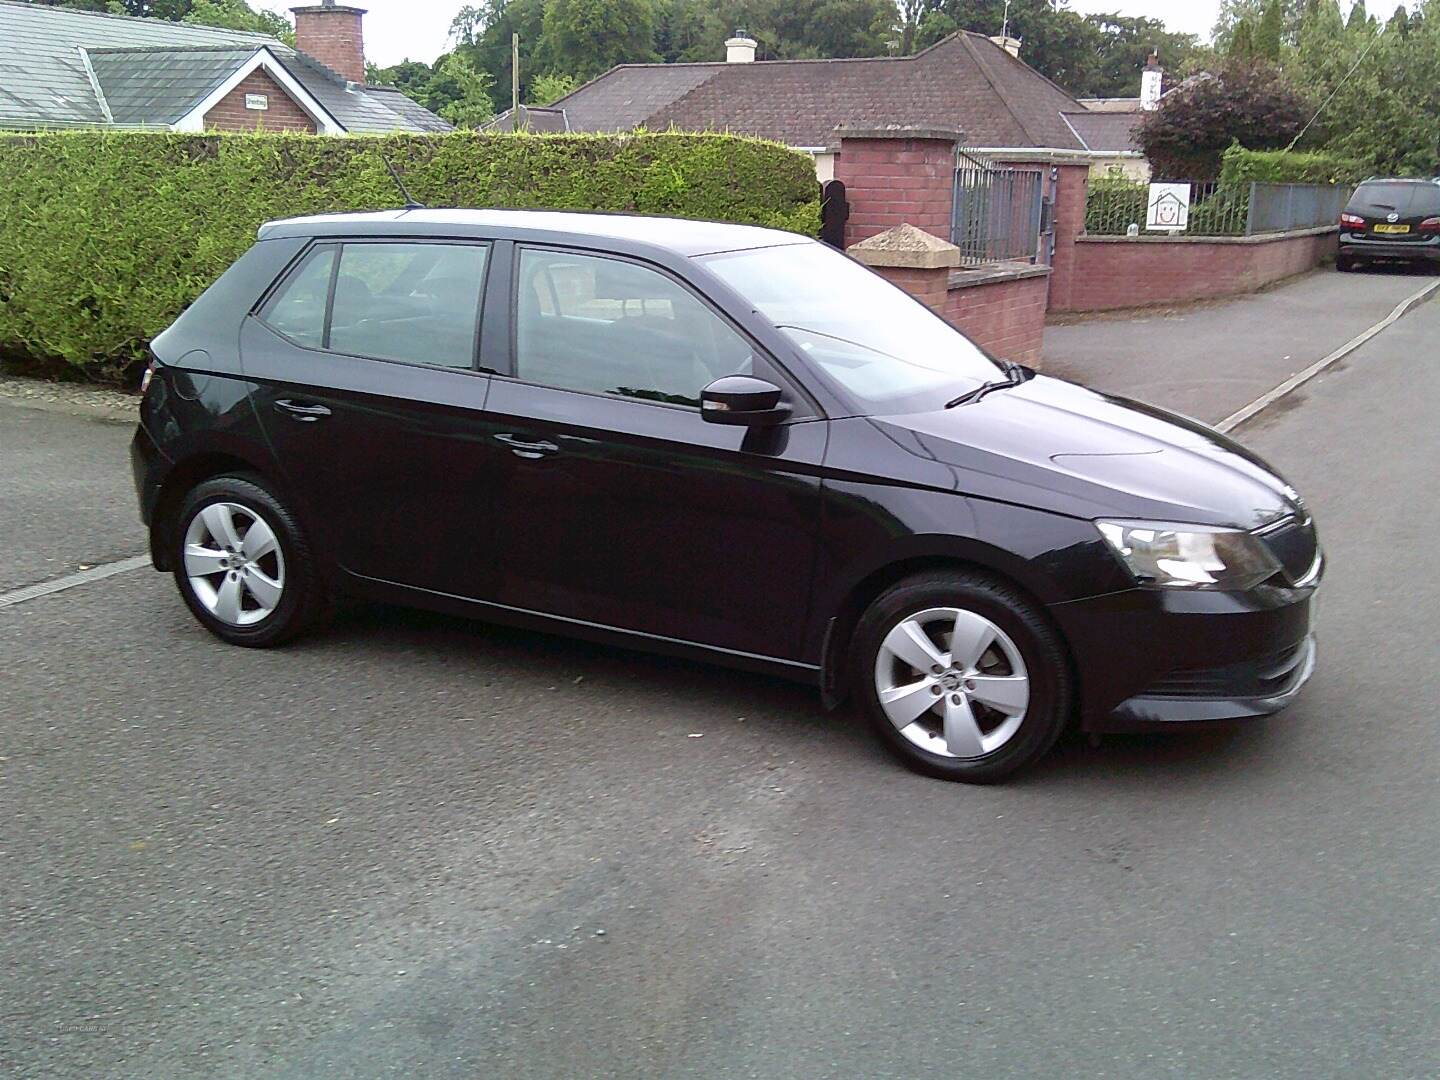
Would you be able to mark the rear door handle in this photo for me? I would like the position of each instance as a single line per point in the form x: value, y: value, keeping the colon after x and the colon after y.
x: 306, y: 414
x: 527, y: 448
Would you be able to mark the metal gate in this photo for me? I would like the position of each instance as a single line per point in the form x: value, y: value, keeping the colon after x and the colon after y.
x: 998, y: 214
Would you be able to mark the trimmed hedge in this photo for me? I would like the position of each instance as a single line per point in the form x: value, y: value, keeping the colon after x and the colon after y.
x: 1241, y: 166
x: 108, y: 236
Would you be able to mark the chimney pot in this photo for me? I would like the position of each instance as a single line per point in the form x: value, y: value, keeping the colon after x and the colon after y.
x: 332, y: 34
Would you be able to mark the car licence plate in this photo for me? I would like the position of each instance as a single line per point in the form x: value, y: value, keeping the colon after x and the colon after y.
x: 1392, y: 228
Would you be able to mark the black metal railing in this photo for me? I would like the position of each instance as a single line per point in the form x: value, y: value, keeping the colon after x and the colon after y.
x: 997, y: 214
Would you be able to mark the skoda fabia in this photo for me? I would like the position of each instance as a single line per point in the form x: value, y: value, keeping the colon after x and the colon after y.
x: 721, y: 441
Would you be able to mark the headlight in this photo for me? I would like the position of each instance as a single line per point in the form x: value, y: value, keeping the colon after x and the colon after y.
x: 1189, y: 556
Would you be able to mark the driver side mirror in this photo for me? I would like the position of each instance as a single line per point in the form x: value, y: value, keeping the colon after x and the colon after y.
x: 743, y: 401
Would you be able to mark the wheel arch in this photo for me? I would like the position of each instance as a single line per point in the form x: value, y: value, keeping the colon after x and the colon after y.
x: 180, y: 480
x: 845, y: 614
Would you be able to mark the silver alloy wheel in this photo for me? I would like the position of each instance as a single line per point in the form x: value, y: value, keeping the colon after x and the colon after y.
x: 234, y: 563
x: 952, y: 682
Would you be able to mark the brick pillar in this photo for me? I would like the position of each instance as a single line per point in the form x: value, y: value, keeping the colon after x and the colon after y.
x: 897, y: 175
x: 1072, y: 187
x: 917, y: 261
x: 331, y: 33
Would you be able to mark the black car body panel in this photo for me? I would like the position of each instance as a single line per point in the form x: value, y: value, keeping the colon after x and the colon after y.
x: 636, y: 521
x: 1393, y: 219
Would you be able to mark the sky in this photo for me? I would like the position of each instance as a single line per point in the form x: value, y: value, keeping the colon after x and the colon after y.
x: 398, y: 30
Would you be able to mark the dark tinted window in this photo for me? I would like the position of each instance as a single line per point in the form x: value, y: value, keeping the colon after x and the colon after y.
x: 298, y: 309
x: 608, y: 326
x: 1400, y: 198
x: 413, y: 302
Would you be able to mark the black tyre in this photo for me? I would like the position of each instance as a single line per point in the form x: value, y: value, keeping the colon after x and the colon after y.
x: 243, y: 565
x: 1345, y: 263
x: 963, y: 677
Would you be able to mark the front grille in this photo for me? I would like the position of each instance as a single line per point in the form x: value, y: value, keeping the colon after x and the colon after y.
x: 1292, y: 541
x: 1266, y: 676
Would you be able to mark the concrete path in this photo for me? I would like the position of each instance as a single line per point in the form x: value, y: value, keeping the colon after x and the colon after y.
x: 1208, y: 361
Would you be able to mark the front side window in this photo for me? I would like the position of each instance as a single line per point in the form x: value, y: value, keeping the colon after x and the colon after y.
x: 417, y: 303
x: 606, y: 326
x: 885, y: 349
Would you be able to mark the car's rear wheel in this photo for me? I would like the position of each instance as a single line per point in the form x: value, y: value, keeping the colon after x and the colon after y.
x: 243, y: 565
x: 962, y: 676
x: 1345, y: 263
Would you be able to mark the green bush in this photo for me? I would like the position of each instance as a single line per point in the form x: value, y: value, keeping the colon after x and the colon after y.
x: 1241, y: 166
x: 108, y: 236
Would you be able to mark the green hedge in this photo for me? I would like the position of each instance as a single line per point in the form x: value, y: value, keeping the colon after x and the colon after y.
x: 107, y: 236
x: 1241, y: 166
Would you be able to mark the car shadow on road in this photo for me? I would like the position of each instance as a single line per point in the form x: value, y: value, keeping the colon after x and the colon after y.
x: 776, y: 709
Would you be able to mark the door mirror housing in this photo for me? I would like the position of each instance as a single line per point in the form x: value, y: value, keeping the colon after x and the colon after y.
x: 743, y: 401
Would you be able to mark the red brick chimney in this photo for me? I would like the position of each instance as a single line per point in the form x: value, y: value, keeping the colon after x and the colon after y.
x: 331, y: 34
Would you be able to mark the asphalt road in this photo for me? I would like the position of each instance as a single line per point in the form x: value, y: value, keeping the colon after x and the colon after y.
x: 391, y: 850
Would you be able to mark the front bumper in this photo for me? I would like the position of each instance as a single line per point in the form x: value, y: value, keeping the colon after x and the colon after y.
x: 1149, y: 659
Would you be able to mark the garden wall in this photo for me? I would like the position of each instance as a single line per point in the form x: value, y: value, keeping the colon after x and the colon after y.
x: 1108, y: 273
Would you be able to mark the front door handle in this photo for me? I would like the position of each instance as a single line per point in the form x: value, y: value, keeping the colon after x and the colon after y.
x: 306, y: 414
x: 527, y: 448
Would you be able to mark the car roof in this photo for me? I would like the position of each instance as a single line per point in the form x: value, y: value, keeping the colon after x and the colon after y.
x: 678, y: 235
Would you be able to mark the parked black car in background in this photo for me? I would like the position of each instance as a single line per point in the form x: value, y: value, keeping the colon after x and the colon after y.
x: 1391, y: 219
x: 720, y: 441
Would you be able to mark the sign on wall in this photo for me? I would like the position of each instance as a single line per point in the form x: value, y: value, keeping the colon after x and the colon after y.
x: 257, y: 101
x: 1168, y: 208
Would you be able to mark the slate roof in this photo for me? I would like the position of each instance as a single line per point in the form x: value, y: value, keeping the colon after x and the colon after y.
x: 65, y: 68
x: 540, y: 118
x: 1107, y: 131
x: 964, y: 81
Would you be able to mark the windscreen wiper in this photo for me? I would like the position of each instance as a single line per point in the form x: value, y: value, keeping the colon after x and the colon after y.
x: 1014, y: 376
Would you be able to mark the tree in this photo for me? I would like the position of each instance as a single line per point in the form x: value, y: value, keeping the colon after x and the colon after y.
x: 483, y: 32
x: 1251, y: 103
x: 1270, y: 31
x: 1242, y: 43
x: 238, y: 15
x: 548, y: 89
x: 1122, y: 46
x: 592, y: 36
x: 472, y: 107
x: 1359, y: 17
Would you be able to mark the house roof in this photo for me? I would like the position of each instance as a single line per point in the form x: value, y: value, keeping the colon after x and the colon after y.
x: 1107, y: 131
x: 66, y: 68
x: 964, y: 81
x: 532, y: 118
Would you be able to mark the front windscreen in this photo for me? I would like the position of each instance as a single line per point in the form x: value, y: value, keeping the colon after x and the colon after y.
x: 886, y: 351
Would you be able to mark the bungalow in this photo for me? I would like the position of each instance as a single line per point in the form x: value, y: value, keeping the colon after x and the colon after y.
x: 63, y: 68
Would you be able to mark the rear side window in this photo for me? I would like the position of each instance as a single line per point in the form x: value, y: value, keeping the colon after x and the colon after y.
x: 607, y: 326
x: 298, y: 309
x: 416, y: 303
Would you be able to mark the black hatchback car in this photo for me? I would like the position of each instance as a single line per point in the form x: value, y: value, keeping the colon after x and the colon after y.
x: 721, y: 441
x: 1391, y: 219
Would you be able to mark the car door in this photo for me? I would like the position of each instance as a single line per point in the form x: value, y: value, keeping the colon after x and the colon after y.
x: 617, y: 503
x: 365, y: 360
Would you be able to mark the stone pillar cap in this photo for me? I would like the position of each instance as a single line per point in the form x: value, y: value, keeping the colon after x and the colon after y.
x: 906, y: 246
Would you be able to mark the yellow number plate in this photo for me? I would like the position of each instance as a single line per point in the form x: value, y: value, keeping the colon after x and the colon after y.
x: 1392, y: 228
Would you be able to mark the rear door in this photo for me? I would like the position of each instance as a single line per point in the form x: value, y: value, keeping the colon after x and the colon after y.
x: 373, y: 398
x: 617, y: 504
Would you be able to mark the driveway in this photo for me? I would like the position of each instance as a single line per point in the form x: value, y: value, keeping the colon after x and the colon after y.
x: 415, y: 846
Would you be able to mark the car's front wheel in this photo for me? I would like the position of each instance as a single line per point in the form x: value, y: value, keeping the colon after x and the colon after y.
x: 962, y: 676
x: 243, y: 564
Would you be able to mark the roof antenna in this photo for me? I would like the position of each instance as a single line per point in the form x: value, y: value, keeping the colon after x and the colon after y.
x: 411, y: 203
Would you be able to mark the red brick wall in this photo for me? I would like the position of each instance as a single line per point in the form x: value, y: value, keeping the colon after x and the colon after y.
x: 896, y: 181
x: 333, y: 36
x: 1007, y: 317
x: 1111, y: 274
x: 230, y: 113
x: 1071, y: 190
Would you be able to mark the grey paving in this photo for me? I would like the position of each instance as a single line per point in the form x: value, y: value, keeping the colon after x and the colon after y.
x: 1210, y: 360
x: 389, y: 850
x: 66, y: 498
